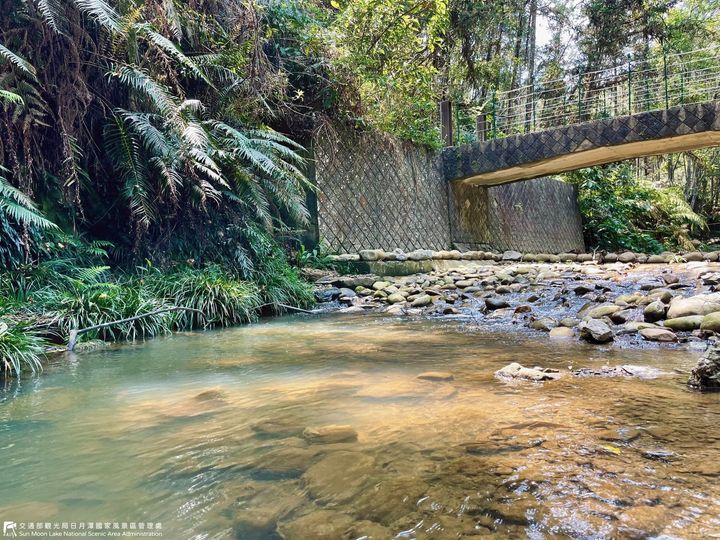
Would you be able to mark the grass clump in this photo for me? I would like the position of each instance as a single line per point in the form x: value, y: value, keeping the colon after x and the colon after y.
x: 221, y: 298
x: 20, y: 347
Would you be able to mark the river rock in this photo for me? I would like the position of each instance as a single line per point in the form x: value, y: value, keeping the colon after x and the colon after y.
x: 337, y: 478
x: 561, y: 332
x: 419, y: 255
x: 537, y: 374
x: 701, y: 304
x: 353, y: 282
x: 658, y: 334
x: 571, y: 257
x: 327, y: 295
x: 632, y: 327
x: 436, y: 376
x: 396, y: 298
x: 654, y: 311
x: 347, y: 293
x: 372, y: 254
x: 603, y: 311
x: 495, y: 302
x: 513, y: 256
x: 685, y: 324
x: 380, y: 285
x: 657, y: 259
x: 711, y: 322
x: 464, y: 283
x: 623, y: 316
x: 329, y: 434
x: 694, y: 256
x: 569, y: 322
x: 706, y: 374
x: 627, y: 257
x: 545, y: 324
x: 627, y: 370
x: 595, y: 331
x: 422, y: 301
x: 583, y: 288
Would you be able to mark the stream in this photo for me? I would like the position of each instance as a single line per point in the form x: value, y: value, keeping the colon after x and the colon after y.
x: 204, y: 435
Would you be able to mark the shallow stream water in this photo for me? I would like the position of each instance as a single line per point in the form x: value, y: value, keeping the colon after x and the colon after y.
x: 202, y: 434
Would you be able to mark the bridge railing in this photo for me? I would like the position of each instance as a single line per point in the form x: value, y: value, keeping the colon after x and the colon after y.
x: 641, y: 85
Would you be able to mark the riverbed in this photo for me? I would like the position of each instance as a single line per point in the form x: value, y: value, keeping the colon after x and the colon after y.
x: 205, y: 435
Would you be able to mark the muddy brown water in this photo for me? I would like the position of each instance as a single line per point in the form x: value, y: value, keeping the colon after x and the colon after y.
x: 202, y: 433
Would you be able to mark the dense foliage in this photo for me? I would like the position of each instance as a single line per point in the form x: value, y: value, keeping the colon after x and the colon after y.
x: 622, y: 212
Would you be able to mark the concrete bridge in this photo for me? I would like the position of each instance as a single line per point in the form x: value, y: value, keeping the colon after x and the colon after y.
x: 567, y: 148
x: 649, y: 106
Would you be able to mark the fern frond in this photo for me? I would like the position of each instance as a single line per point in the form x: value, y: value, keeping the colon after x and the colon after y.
x: 20, y: 207
x: 11, y: 97
x: 101, y: 12
x: 160, y: 96
x: 17, y: 61
x: 171, y: 49
x: 53, y: 13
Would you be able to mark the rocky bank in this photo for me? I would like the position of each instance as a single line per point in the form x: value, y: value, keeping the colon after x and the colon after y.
x: 621, y: 303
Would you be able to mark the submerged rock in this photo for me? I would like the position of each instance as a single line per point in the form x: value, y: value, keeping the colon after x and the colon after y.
x: 436, y: 376
x: 627, y: 370
x: 337, y: 478
x: 706, y: 374
x: 537, y: 374
x: 330, y: 434
x: 319, y: 525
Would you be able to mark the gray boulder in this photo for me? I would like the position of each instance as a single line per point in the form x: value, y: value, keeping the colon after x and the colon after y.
x: 512, y: 256
x: 595, y: 331
x: 706, y: 374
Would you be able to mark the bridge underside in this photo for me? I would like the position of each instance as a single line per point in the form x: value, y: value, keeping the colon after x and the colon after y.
x: 533, y: 155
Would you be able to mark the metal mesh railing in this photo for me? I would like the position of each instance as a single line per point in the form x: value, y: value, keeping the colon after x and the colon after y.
x: 639, y: 85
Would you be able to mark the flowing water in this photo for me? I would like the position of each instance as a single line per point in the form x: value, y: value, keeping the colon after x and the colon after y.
x: 200, y: 436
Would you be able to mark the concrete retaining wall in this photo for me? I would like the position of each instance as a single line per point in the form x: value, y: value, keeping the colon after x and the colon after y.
x: 376, y: 192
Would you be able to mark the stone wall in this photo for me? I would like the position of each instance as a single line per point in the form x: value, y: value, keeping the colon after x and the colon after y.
x: 379, y: 193
x: 534, y: 216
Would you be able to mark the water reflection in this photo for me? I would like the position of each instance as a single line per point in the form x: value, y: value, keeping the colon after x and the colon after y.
x: 206, y: 433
